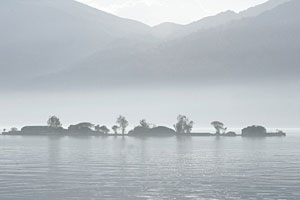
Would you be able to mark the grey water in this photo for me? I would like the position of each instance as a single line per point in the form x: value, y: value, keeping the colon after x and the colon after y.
x: 50, y: 168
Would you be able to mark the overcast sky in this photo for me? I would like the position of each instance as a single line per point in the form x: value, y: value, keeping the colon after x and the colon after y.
x: 153, y: 12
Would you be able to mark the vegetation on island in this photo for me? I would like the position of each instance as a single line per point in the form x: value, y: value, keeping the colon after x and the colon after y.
x: 219, y: 126
x: 54, y: 122
x: 182, y: 127
x: 259, y: 131
x: 146, y: 129
x: 123, y: 123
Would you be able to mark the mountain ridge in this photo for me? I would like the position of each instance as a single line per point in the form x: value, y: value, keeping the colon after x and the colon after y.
x: 46, y: 36
x: 251, y: 47
x: 213, y: 55
x: 222, y: 18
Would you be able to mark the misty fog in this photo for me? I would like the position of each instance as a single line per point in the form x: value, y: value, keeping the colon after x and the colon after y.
x: 237, y: 106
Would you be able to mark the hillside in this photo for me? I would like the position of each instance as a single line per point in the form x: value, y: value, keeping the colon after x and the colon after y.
x: 172, y: 31
x: 44, y: 36
x: 263, y: 48
x: 70, y: 45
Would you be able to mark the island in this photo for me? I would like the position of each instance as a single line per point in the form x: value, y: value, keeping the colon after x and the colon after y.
x: 182, y: 128
x: 260, y: 131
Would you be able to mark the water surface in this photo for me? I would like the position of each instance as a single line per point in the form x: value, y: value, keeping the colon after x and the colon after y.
x: 50, y: 168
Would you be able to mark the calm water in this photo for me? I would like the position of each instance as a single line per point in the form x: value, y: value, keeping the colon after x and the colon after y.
x: 50, y: 168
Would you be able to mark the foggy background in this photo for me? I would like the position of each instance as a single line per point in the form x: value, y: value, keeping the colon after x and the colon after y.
x: 236, y: 106
x: 67, y: 59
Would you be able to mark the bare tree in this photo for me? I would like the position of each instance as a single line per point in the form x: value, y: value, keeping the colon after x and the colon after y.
x: 123, y: 123
x: 183, y: 125
x: 54, y: 122
x: 115, y: 129
x: 219, y: 126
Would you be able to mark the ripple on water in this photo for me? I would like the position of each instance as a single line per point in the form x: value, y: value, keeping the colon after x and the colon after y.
x: 169, y: 168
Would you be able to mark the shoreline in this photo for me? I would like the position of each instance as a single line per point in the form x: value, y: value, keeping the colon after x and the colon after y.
x: 139, y: 136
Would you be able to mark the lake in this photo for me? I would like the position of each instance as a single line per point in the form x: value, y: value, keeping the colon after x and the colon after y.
x: 50, y: 168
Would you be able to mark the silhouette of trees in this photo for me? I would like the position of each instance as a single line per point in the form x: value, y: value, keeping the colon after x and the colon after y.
x: 144, y: 124
x: 123, y: 123
x: 104, y: 129
x: 183, y: 125
x: 54, y: 122
x: 13, y: 129
x: 97, y: 128
x: 231, y: 133
x: 254, y: 131
x: 219, y: 126
x: 115, y: 129
x: 82, y: 127
x: 143, y: 128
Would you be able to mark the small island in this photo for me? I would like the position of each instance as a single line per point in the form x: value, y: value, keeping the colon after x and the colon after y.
x: 183, y: 127
x: 260, y: 131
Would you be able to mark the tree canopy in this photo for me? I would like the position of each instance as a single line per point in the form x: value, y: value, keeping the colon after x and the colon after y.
x: 123, y: 123
x: 183, y: 125
x: 54, y: 122
x: 219, y: 126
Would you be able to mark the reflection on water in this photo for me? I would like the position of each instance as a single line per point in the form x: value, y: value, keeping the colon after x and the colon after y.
x: 51, y: 168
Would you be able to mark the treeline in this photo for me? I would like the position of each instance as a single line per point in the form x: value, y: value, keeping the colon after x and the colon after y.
x: 183, y: 126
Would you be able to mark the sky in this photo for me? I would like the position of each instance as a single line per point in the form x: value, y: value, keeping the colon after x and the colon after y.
x: 153, y: 12
x: 237, y: 106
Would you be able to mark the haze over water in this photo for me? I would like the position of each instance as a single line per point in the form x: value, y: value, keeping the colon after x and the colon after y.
x: 149, y: 168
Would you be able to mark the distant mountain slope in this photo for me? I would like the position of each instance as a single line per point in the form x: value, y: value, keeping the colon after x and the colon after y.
x: 42, y: 36
x: 63, y: 43
x: 259, y: 9
x: 165, y: 30
x: 263, y: 48
x: 173, y: 31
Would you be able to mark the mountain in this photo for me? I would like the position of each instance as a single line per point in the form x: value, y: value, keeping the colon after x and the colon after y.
x: 261, y: 48
x: 257, y: 10
x: 44, y: 36
x: 65, y: 44
x: 173, y: 31
x: 165, y: 30
x: 251, y: 50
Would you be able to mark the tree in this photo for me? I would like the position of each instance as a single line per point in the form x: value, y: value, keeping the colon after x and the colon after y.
x: 82, y: 125
x: 219, y: 126
x: 97, y: 128
x: 123, y: 123
x: 115, y: 129
x: 254, y: 131
x: 104, y: 129
x: 188, y: 127
x: 144, y: 124
x: 13, y: 129
x: 183, y: 125
x: 54, y: 122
